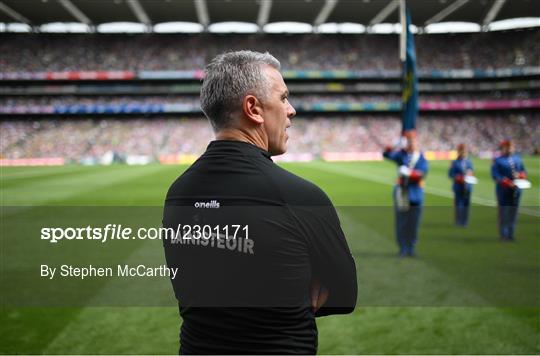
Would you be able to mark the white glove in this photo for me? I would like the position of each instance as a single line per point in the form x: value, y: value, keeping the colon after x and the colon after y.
x: 404, y: 171
x: 522, y: 183
x: 471, y: 179
x: 400, y: 143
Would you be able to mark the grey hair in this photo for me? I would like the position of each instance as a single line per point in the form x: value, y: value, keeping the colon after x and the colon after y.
x: 228, y: 78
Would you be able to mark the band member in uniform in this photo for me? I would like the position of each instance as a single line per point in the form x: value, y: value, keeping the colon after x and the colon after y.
x: 408, y: 193
x: 505, y: 169
x: 460, y: 169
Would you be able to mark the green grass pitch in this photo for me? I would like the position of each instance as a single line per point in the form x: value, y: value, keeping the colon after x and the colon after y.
x: 465, y: 293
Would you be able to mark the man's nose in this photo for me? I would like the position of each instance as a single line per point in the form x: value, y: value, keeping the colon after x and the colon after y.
x: 291, y: 112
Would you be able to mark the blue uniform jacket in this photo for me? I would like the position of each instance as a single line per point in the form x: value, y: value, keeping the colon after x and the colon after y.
x: 460, y: 167
x: 415, y: 189
x: 505, y: 167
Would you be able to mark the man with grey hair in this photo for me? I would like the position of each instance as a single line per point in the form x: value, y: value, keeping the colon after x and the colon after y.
x: 236, y: 87
x: 261, y: 251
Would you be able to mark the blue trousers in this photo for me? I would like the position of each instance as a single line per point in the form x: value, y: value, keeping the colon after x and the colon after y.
x: 407, y: 224
x: 462, y: 202
x: 508, y: 205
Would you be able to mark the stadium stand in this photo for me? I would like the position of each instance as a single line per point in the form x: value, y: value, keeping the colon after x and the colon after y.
x: 296, y: 99
x: 42, y: 52
x: 473, y: 89
x: 79, y: 140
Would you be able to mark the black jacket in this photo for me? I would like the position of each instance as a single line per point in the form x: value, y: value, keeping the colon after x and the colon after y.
x: 247, y: 290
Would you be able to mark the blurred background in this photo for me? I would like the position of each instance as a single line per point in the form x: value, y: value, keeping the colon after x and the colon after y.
x: 118, y: 81
x: 99, y: 106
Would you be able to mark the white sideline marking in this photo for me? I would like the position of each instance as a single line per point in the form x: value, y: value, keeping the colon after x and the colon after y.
x: 390, y: 181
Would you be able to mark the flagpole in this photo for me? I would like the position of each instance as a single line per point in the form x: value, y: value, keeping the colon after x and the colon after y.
x: 402, y: 47
x: 403, y: 35
x: 409, y: 80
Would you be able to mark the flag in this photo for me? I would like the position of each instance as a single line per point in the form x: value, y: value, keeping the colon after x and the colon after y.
x: 409, y: 80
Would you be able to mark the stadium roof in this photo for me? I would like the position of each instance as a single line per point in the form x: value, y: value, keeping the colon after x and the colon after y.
x: 261, y: 12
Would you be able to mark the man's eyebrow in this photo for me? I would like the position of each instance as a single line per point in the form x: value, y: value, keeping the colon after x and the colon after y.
x: 285, y: 93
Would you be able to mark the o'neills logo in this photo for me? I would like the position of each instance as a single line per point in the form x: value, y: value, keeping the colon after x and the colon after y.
x: 212, y: 204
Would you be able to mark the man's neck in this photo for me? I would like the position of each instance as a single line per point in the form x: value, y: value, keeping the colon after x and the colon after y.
x: 233, y: 134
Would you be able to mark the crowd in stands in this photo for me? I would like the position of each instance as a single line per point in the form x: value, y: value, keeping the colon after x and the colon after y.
x: 97, y: 100
x: 368, y: 134
x: 489, y: 95
x: 49, y: 52
x: 423, y: 97
x: 79, y: 139
x: 296, y: 99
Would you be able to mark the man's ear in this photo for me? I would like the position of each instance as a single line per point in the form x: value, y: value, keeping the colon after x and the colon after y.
x: 252, y: 108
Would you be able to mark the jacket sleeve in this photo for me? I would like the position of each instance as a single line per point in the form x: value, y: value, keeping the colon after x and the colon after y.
x: 495, y: 172
x: 422, y: 167
x: 521, y: 169
x: 392, y: 155
x: 452, y: 170
x: 331, y: 260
